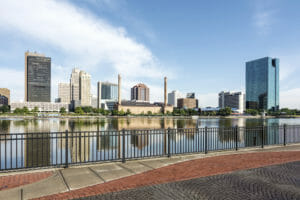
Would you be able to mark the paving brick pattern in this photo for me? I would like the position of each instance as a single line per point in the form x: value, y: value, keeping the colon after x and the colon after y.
x: 185, y: 171
x: 269, y: 183
x: 11, y: 181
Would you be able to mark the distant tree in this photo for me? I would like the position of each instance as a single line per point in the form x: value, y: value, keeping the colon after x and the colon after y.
x: 4, y: 109
x: 25, y: 110
x: 121, y: 113
x: 87, y: 109
x: 115, y: 112
x: 62, y: 110
x: 128, y: 112
x: 79, y: 110
x: 252, y: 112
x: 225, y: 111
x: 149, y: 113
x: 35, y: 109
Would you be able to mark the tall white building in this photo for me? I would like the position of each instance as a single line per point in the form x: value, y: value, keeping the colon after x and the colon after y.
x: 80, y: 88
x: 233, y: 100
x: 173, y: 96
x: 74, y: 85
x: 85, y: 88
x: 64, y: 92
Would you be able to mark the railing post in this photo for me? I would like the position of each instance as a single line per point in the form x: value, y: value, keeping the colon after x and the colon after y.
x: 205, y: 140
x: 236, y: 137
x: 123, y: 146
x: 262, y: 136
x: 284, y: 134
x: 169, y: 148
x: 67, y: 149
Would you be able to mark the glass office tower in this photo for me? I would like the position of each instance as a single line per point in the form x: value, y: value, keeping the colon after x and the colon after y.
x: 262, y: 84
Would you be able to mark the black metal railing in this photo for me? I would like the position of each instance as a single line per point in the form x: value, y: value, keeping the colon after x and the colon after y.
x: 31, y: 150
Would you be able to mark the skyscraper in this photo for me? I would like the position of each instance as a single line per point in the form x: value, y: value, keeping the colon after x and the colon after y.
x: 64, y: 92
x: 80, y: 88
x: 262, y: 84
x: 74, y: 85
x: 85, y: 88
x: 140, y: 92
x: 107, y: 95
x: 37, y: 78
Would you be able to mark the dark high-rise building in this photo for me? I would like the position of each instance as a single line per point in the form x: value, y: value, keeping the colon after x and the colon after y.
x: 262, y: 84
x: 140, y: 92
x: 37, y: 78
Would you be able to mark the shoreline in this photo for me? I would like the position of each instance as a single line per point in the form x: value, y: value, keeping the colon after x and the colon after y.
x: 3, y: 117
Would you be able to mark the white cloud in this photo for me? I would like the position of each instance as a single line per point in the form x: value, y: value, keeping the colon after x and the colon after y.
x: 290, y: 98
x: 11, y: 78
x: 82, y: 38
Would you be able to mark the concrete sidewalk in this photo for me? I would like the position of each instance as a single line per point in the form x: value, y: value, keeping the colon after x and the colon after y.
x: 76, y: 177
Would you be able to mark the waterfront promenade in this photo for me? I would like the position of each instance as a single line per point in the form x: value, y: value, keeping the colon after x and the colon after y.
x: 97, y: 179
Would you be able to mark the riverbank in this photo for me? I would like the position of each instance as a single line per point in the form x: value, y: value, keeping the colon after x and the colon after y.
x: 135, y: 116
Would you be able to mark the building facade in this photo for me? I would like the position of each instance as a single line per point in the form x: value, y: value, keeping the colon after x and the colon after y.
x: 187, y: 103
x: 4, y: 96
x: 80, y: 88
x: 233, y: 100
x: 85, y: 89
x: 262, y: 84
x: 42, y: 106
x: 107, y: 95
x: 74, y: 85
x: 140, y: 92
x: 172, y: 98
x: 64, y: 92
x: 37, y: 78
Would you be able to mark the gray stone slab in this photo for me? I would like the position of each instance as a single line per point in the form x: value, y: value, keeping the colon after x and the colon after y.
x: 80, y: 177
x: 136, y: 167
x: 51, y: 185
x: 170, y: 161
x: 11, y: 194
x: 106, y: 167
x: 115, y: 174
x: 153, y: 163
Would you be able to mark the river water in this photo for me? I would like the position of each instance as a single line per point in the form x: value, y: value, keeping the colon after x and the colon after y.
x: 20, y: 125
x: 26, y: 143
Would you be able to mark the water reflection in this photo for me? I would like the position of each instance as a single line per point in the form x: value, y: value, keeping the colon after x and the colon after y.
x: 87, y: 141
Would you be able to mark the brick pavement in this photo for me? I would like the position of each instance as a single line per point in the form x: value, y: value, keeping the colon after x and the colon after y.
x: 12, y: 181
x: 266, y: 183
x: 185, y: 171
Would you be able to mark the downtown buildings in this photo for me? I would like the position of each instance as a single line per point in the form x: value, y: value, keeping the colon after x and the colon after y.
x: 107, y: 95
x: 262, y: 84
x: 140, y: 92
x: 37, y: 77
x: 38, y: 85
x: 233, y: 100
x: 80, y: 88
x: 4, y: 96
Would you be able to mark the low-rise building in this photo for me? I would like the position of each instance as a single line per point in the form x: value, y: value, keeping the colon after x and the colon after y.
x: 187, y: 103
x: 42, y: 106
x: 233, y: 100
x: 4, y: 96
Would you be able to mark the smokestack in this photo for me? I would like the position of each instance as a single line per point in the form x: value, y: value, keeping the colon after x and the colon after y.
x: 165, y: 92
x: 119, y: 89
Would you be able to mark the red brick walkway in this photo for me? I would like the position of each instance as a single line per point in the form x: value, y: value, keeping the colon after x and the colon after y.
x: 185, y: 170
x: 11, y: 181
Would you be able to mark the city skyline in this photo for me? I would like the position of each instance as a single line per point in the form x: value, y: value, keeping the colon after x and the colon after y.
x: 146, y: 48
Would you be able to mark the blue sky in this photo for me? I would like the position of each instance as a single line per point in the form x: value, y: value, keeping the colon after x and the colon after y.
x: 201, y: 46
